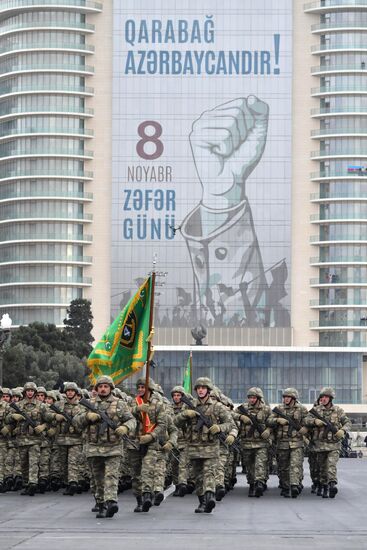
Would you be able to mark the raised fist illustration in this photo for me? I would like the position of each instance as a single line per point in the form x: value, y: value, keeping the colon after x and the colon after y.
x: 227, y: 143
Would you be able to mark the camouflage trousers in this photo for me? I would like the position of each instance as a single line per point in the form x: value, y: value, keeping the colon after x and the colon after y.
x: 124, y: 464
x: 105, y: 472
x: 290, y: 466
x: 29, y: 462
x: 204, y: 470
x: 44, y: 463
x: 70, y: 461
x: 12, y: 461
x: 221, y: 466
x: 180, y: 467
x: 327, y: 461
x: 255, y: 462
x: 143, y: 470
x: 231, y: 467
x: 3, y: 453
x: 314, y: 467
x: 160, y: 471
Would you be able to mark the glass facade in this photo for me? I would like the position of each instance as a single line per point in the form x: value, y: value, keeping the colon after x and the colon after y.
x: 45, y: 71
x: 236, y: 371
x: 342, y: 162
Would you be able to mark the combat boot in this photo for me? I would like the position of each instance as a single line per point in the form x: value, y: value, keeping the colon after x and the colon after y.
x: 18, y: 483
x: 259, y: 489
x: 319, y: 490
x: 138, y: 507
x: 190, y: 487
x: 71, y: 489
x: 209, y: 502
x: 32, y: 488
x: 95, y: 507
x: 251, y: 490
x: 158, y: 498
x: 8, y: 483
x: 147, y: 502
x: 325, y: 491
x: 102, y: 509
x: 220, y: 493
x: 201, y: 508
x: 55, y: 484
x: 112, y: 508
x: 2, y: 488
x: 333, y: 489
x: 294, y: 491
x: 314, y: 488
x: 42, y: 485
x: 285, y: 492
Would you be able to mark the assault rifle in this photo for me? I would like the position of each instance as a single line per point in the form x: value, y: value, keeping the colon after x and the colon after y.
x: 292, y: 424
x: 255, y: 424
x: 106, y: 421
x: 68, y: 418
x: 205, y: 421
x: 28, y: 420
x: 329, y: 426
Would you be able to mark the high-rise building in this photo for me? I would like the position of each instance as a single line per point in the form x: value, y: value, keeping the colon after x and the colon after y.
x: 129, y: 129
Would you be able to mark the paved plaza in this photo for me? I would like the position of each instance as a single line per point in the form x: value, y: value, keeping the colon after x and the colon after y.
x: 58, y: 522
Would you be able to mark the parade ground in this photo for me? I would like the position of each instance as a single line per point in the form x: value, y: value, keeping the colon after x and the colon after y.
x: 271, y: 522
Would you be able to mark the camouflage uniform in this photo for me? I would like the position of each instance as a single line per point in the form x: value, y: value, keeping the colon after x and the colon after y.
x: 13, y: 470
x: 143, y: 460
x: 4, y: 436
x: 290, y: 443
x: 255, y: 446
x: 326, y: 444
x: 103, y: 446
x: 180, y: 467
x: 28, y: 440
x: 69, y: 441
x: 202, y: 444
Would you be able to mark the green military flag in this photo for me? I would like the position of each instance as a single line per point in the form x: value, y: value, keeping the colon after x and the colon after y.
x: 123, y: 349
x: 187, y: 381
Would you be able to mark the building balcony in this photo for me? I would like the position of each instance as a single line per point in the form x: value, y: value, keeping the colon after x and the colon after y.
x: 325, y: 175
x: 42, y: 237
x: 43, y: 280
x: 340, y: 282
x: 333, y: 324
x: 322, y: 304
x: 321, y: 133
x: 322, y: 49
x: 16, y: 112
x: 317, y: 261
x: 323, y: 154
x: 51, y: 173
x: 23, y: 259
x: 322, y: 112
x: 36, y: 68
x: 323, y: 218
x: 45, y: 153
x: 330, y: 6
x: 11, y: 7
x: 8, y: 91
x: 329, y: 27
x: 7, y: 196
x: 317, y: 240
x: 323, y: 91
x: 336, y: 69
x: 347, y: 196
x: 10, y: 133
x: 80, y: 27
x: 10, y: 49
x: 52, y: 218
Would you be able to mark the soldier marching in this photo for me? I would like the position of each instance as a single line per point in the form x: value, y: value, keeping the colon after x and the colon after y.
x: 106, y: 441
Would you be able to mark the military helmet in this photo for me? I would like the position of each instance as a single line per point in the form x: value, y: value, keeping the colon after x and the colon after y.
x: 7, y: 391
x: 141, y: 382
x: 104, y: 379
x: 178, y: 389
x: 255, y: 392
x: 204, y: 381
x: 51, y: 394
x: 41, y: 389
x: 330, y: 392
x: 158, y: 388
x: 30, y: 386
x: 71, y: 386
x: 85, y: 393
x: 17, y: 392
x: 291, y: 392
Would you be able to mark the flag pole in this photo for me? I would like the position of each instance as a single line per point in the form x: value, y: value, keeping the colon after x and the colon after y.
x: 150, y: 346
x: 191, y: 371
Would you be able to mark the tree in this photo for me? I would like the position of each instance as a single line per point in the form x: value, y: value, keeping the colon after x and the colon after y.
x: 78, y: 324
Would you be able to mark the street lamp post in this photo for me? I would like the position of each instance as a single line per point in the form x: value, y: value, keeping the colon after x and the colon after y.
x: 5, y: 336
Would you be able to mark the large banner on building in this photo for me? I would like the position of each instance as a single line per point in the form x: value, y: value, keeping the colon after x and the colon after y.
x: 202, y: 158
